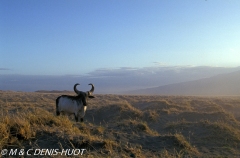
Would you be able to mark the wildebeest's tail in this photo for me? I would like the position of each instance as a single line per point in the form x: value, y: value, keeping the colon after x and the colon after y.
x: 57, y: 109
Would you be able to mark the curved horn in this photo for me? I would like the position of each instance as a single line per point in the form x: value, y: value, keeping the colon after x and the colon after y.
x: 75, y: 88
x: 91, y: 91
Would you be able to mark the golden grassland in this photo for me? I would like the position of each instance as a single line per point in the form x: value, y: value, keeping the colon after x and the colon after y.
x: 124, y: 126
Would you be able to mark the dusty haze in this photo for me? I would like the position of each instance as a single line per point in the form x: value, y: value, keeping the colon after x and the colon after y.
x: 127, y: 80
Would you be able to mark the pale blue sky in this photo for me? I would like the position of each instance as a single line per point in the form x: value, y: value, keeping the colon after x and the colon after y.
x: 60, y: 37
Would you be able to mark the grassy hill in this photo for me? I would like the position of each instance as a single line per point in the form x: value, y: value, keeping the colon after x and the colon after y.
x: 124, y: 125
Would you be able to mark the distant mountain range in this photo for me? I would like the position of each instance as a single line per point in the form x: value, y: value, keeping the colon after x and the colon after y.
x: 53, y: 91
x: 172, y: 80
x: 223, y: 84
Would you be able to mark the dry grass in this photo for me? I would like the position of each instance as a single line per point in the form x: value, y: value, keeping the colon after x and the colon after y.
x: 124, y: 126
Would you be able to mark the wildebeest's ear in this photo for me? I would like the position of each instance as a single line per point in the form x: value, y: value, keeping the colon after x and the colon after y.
x: 90, y: 96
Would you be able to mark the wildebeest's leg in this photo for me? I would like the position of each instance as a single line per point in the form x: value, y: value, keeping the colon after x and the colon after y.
x: 57, y: 112
x: 76, y: 117
x: 82, y: 112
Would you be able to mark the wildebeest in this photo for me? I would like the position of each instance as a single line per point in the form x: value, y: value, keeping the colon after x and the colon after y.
x: 76, y: 105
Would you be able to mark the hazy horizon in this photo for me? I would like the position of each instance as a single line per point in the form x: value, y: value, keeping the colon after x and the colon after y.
x: 112, y: 80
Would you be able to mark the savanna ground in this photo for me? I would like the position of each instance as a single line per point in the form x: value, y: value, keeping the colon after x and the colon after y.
x: 124, y: 126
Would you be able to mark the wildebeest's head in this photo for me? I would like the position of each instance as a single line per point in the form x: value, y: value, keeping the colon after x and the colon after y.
x: 84, y: 95
x: 88, y: 94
